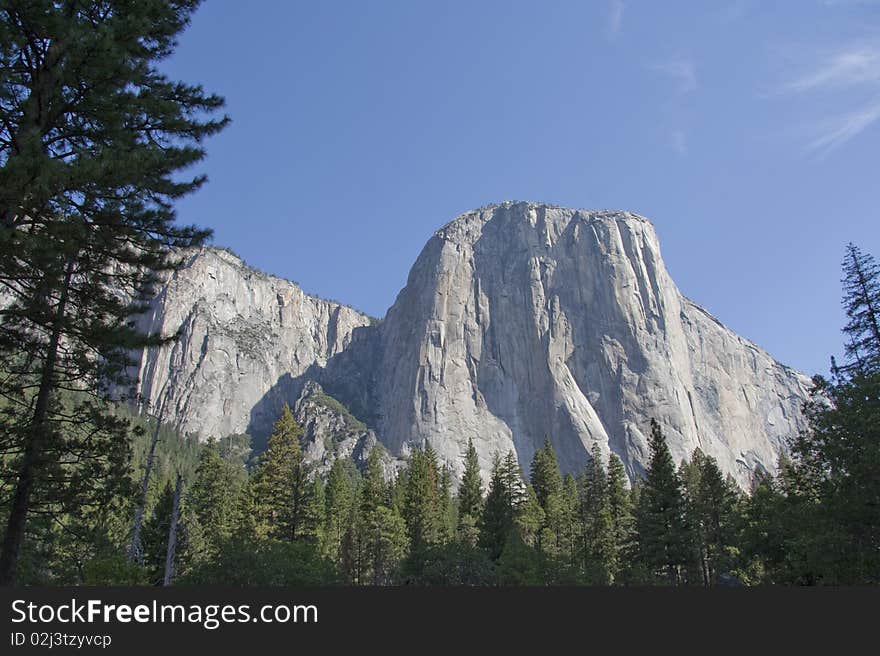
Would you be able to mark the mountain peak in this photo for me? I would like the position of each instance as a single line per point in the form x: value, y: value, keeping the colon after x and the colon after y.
x: 519, y: 322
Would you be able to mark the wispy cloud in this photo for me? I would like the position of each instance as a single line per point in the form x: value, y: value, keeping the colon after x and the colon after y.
x: 839, y: 131
x: 615, y: 18
x: 681, y: 70
x: 846, y: 68
x: 853, y: 73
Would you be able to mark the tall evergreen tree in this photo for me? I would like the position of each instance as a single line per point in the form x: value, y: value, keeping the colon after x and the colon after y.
x: 448, y: 515
x: 155, y: 535
x: 622, y: 518
x: 861, y: 301
x: 663, y: 531
x: 546, y: 479
x: 210, y: 506
x: 423, y: 508
x: 93, y: 138
x: 713, y: 506
x: 545, y: 475
x: 339, y: 501
x: 470, y: 496
x: 507, y: 494
x: 598, y: 547
x: 378, y: 542
x: 373, y: 486
x: 835, y: 462
x: 568, y: 551
x: 282, y: 485
x: 530, y: 522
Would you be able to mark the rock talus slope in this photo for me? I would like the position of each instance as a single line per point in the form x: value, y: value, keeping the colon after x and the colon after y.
x: 518, y: 322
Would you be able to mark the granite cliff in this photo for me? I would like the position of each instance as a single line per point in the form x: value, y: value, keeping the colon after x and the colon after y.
x: 518, y: 322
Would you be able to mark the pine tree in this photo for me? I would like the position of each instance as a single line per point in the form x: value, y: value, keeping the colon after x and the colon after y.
x: 713, y: 508
x: 622, y: 519
x: 155, y: 535
x: 282, y: 485
x: 339, y: 506
x: 696, y: 568
x: 385, y: 537
x: 507, y: 494
x: 861, y: 301
x: 545, y: 476
x: 93, y: 138
x: 661, y: 522
x: 530, y: 522
x: 373, y: 485
x: 448, y: 516
x: 422, y: 509
x: 835, y: 462
x: 598, y: 547
x: 570, y: 522
x: 314, y: 511
x: 546, y: 480
x: 377, y: 543
x: 210, y: 507
x: 470, y: 497
x: 771, y: 540
x: 246, y: 524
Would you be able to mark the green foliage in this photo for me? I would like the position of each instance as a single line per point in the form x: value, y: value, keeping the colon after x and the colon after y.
x: 519, y: 564
x: 264, y: 562
x: 453, y: 563
x: 861, y: 301
x: 155, y: 536
x: 819, y: 523
x: 713, y: 512
x: 598, y: 546
x: 286, y: 505
x: 546, y: 481
x: 530, y: 521
x: 470, y: 496
x: 663, y: 530
x: 352, y: 423
x: 506, y: 495
x: 209, y: 509
x: 93, y: 141
x: 620, y: 505
x: 376, y: 541
x: 339, y: 507
x: 113, y: 569
x: 422, y: 503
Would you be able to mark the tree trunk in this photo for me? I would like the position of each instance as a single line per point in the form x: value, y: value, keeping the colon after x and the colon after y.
x: 704, y: 566
x: 33, y: 448
x: 172, y: 534
x: 134, y: 548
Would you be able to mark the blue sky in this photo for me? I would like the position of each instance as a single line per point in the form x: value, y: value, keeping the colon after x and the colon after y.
x: 747, y: 131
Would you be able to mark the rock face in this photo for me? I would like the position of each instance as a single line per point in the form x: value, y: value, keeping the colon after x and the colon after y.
x: 245, y: 339
x: 330, y: 432
x: 523, y: 321
x: 518, y: 322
